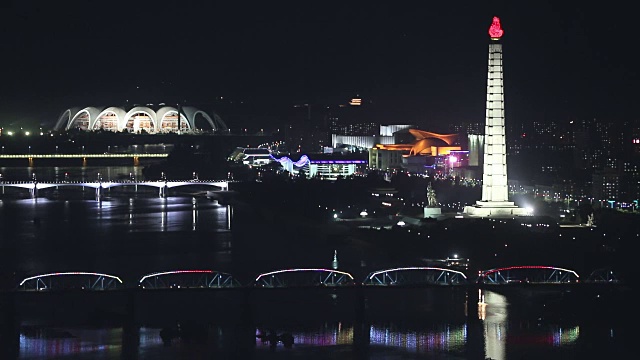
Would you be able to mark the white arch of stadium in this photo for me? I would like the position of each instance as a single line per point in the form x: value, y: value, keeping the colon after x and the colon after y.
x: 164, y: 120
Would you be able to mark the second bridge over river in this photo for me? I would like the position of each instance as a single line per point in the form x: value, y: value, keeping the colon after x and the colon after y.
x: 100, y: 186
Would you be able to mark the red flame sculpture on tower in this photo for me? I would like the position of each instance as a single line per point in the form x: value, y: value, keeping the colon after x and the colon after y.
x: 495, y: 30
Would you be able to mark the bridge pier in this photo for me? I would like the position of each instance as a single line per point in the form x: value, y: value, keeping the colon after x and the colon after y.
x: 163, y: 191
x: 475, y: 347
x: 99, y: 193
x: 361, y: 327
x: 245, y: 329
x: 130, y: 327
x: 34, y: 191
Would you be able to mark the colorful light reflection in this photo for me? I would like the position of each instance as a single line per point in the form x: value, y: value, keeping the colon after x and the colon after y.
x: 447, y: 339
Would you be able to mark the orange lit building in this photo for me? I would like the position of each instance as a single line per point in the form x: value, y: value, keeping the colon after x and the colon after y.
x: 426, y: 145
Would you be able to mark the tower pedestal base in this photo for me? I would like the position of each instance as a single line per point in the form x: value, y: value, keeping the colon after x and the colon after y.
x: 495, y: 209
x: 432, y: 212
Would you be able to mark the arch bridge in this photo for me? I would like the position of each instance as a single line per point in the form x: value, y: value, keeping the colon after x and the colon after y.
x: 188, y: 279
x: 304, y: 277
x: 71, y: 281
x: 415, y: 276
x: 528, y: 274
x: 161, y: 185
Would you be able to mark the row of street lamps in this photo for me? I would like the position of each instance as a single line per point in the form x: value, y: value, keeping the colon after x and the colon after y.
x: 135, y: 148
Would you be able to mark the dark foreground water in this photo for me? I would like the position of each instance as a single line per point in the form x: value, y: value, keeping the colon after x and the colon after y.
x: 130, y: 236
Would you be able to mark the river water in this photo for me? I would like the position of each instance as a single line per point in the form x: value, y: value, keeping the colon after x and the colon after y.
x: 131, y: 234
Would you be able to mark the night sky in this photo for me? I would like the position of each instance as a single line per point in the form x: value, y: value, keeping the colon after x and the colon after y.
x: 423, y: 65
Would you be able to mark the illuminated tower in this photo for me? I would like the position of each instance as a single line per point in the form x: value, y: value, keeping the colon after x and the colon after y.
x: 494, y: 174
x: 495, y: 191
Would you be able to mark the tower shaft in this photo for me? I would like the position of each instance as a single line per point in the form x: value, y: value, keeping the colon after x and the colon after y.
x: 494, y: 174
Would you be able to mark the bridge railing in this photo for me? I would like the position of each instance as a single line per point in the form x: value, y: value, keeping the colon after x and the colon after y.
x: 304, y: 277
x: 415, y: 276
x: 188, y: 279
x: 70, y: 281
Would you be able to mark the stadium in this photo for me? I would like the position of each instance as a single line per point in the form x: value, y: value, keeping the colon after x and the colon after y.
x: 140, y: 119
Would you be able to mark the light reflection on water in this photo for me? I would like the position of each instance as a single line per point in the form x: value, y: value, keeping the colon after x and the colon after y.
x: 446, y: 338
x: 53, y: 343
x: 441, y: 340
x: 140, y: 214
x: 326, y: 335
x: 117, y: 235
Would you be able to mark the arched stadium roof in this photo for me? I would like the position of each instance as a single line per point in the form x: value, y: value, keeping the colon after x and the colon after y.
x: 162, y: 120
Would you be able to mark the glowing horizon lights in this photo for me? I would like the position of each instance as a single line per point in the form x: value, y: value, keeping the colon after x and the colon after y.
x: 70, y: 273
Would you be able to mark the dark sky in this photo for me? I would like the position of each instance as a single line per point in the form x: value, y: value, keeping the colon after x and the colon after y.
x: 417, y: 62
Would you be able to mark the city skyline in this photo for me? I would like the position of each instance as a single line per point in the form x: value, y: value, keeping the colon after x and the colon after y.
x: 422, y: 66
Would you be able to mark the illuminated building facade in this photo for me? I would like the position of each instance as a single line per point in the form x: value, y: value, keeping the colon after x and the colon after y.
x: 140, y: 118
x: 495, y: 191
x: 606, y: 186
x: 251, y: 156
x: 323, y: 167
x: 476, y: 149
x: 365, y: 142
x: 385, y: 159
x: 332, y: 169
x: 389, y: 130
